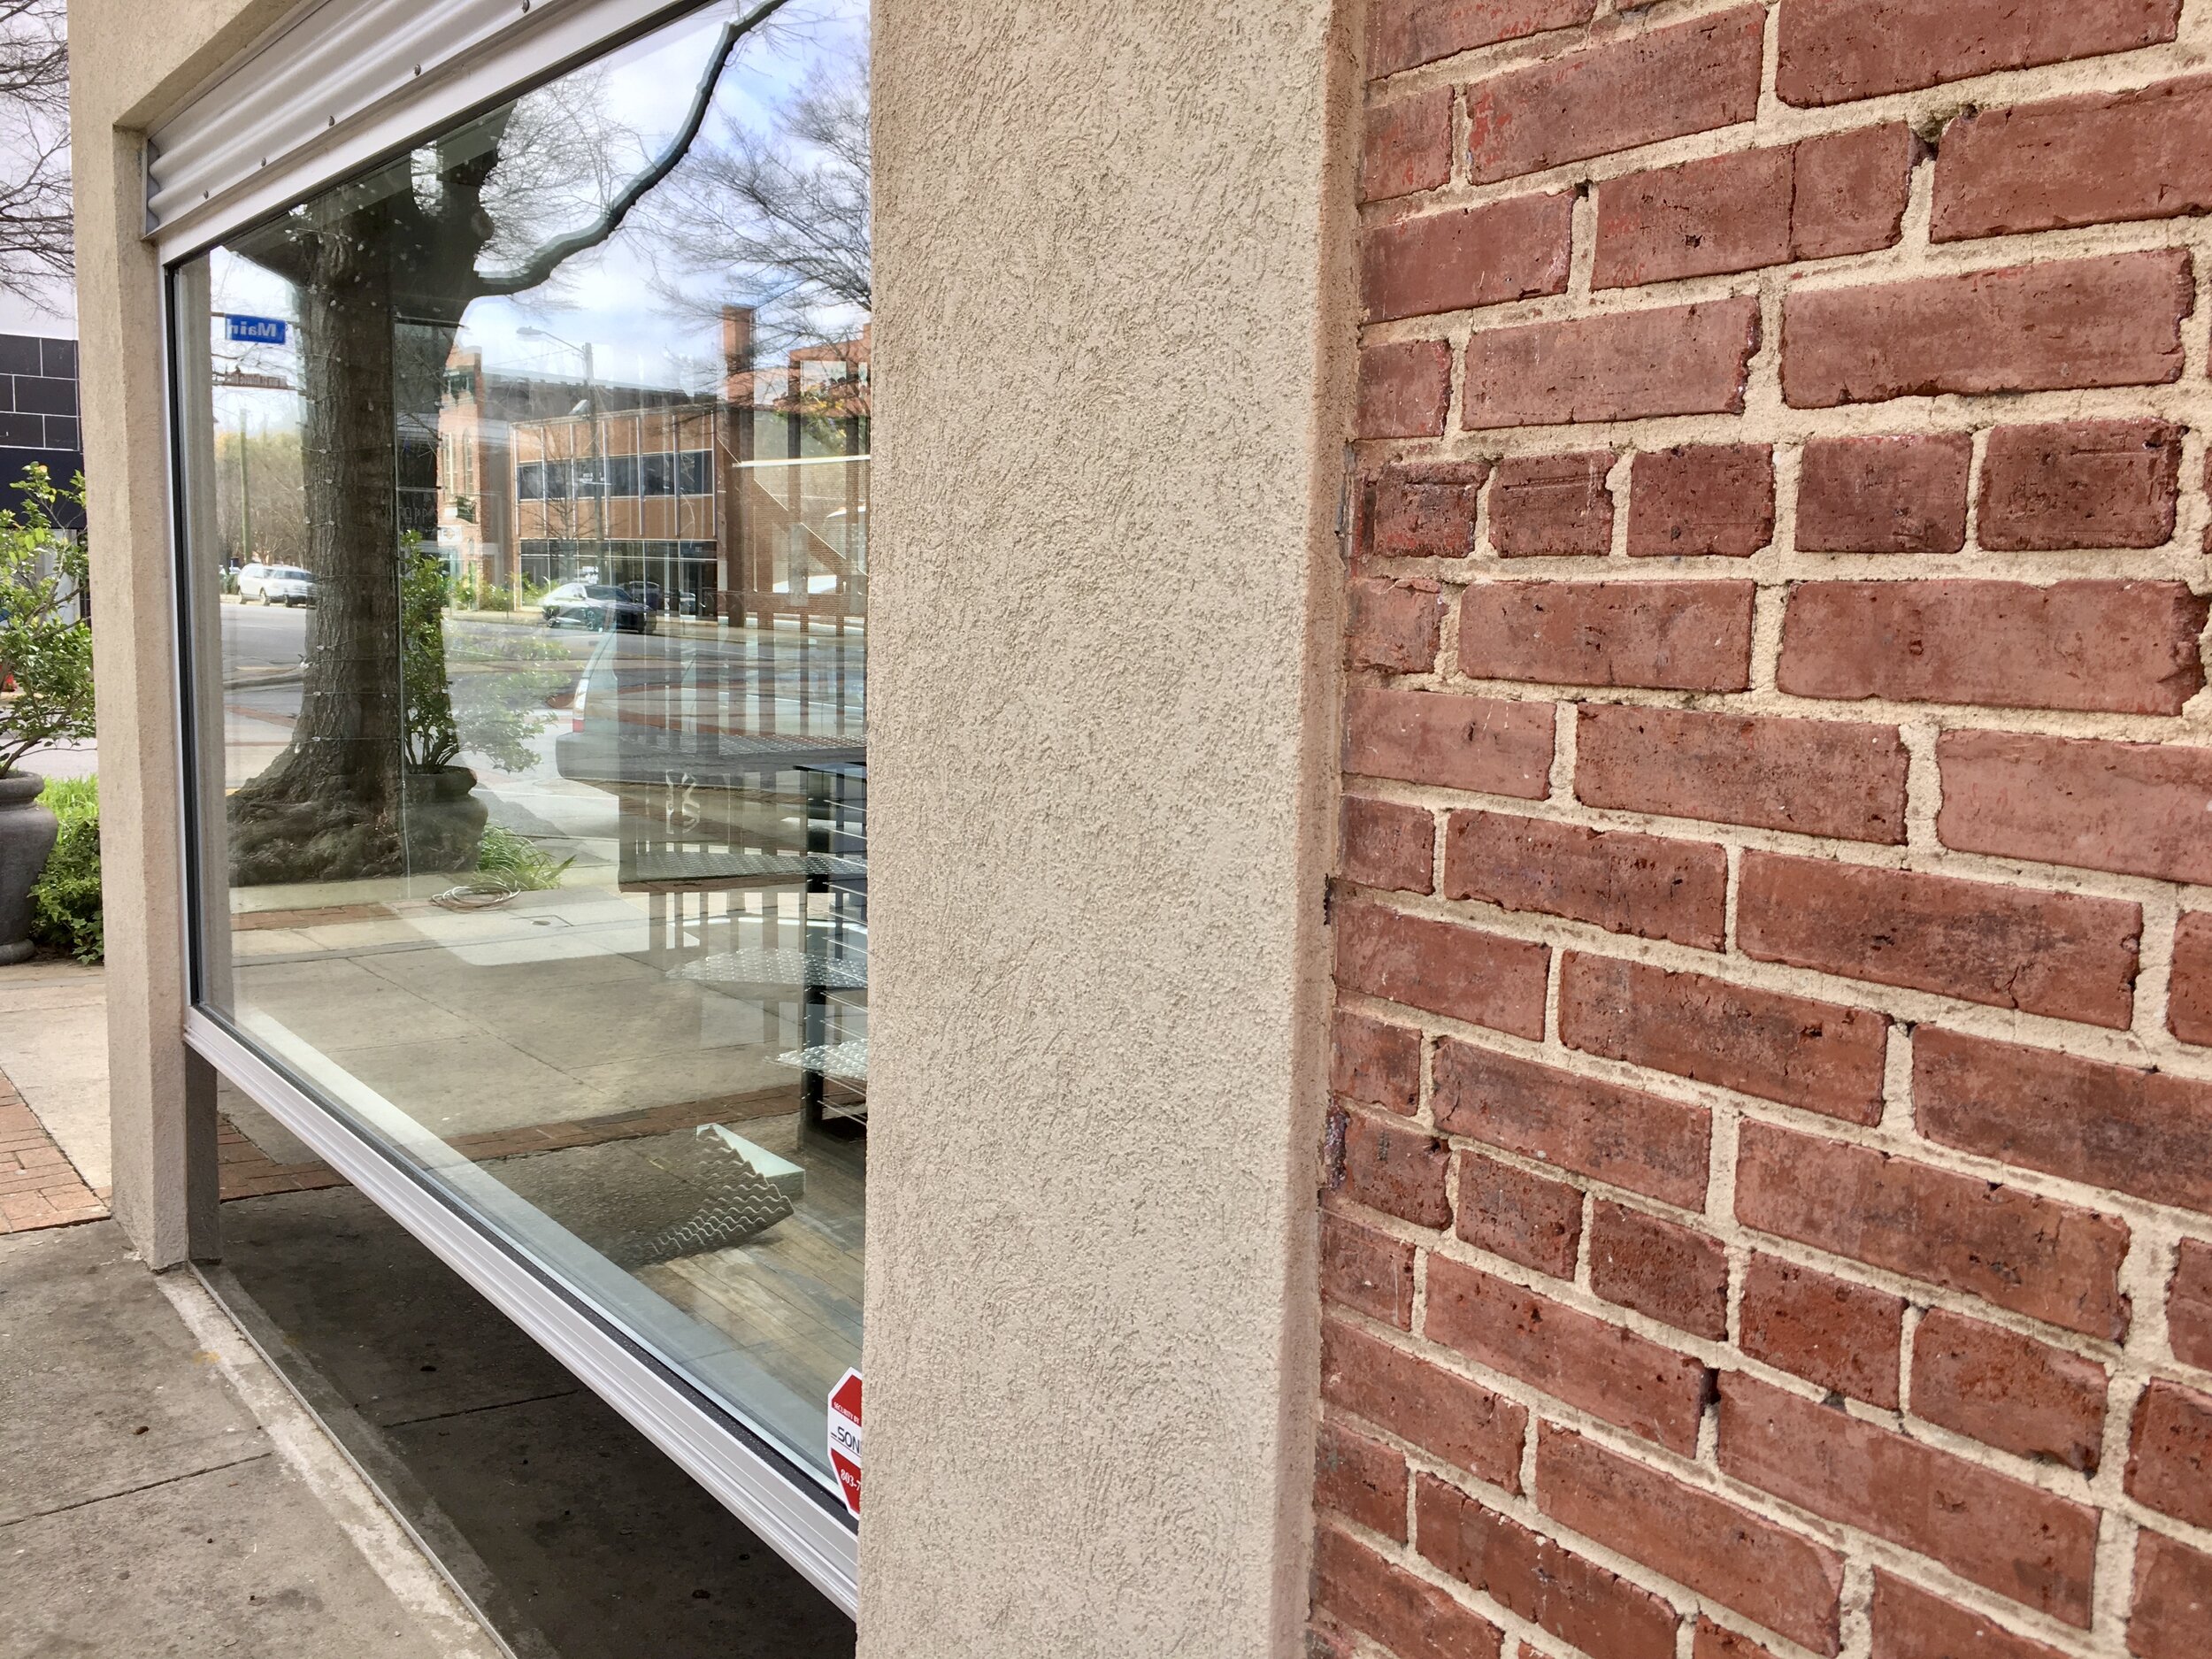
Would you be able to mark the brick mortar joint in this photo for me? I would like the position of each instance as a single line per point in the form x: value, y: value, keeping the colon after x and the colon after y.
x: 1703, y: 1474
x: 2116, y: 1045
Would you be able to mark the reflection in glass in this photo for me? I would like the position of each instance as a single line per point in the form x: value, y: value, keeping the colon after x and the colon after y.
x: 534, y: 837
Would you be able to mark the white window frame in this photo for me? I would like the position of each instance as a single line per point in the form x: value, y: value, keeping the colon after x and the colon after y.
x: 367, y: 106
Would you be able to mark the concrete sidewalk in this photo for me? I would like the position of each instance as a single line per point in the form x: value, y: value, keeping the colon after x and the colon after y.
x: 162, y: 1490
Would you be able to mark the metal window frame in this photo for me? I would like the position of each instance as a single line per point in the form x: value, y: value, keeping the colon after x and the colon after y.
x: 789, y: 1515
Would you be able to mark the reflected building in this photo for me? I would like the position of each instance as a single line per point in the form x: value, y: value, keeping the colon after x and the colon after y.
x: 749, y: 502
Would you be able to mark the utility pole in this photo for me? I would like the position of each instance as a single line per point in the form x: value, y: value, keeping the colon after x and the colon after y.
x: 245, y: 496
x: 598, y: 460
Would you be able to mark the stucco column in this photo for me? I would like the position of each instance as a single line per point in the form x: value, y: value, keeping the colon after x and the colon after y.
x: 1110, y: 384
x: 161, y: 1100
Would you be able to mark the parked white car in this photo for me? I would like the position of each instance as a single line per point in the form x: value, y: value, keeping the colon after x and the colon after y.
x: 276, y: 585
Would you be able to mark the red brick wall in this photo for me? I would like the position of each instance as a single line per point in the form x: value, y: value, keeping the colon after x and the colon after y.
x: 1770, y: 1183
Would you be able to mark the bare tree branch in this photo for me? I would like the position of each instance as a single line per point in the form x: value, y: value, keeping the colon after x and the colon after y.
x: 37, y: 237
x: 541, y: 263
x: 35, y: 56
x: 780, y: 217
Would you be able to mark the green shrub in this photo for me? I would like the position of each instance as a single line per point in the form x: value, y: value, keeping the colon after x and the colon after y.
x: 45, y: 645
x: 520, y: 860
x: 65, y: 904
x: 496, y: 599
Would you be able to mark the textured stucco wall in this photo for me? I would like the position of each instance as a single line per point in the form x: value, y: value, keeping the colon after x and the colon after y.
x: 123, y: 73
x: 1109, y: 447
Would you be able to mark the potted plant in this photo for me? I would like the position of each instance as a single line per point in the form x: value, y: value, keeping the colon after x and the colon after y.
x: 45, y: 684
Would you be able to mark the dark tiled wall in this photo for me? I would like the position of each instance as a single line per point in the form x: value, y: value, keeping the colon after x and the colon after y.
x: 38, y: 394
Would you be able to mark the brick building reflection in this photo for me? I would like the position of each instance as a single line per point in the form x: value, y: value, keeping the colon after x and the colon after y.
x: 747, y: 503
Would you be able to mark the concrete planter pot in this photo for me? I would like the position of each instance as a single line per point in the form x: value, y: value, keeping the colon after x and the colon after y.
x: 26, y: 835
x: 445, y: 821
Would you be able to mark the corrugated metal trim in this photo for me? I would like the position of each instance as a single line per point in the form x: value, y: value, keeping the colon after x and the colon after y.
x: 348, y: 77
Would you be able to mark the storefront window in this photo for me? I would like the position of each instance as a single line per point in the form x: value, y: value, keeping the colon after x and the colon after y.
x: 527, y: 591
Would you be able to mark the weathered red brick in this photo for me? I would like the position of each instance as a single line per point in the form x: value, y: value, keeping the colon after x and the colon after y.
x: 1460, y: 1421
x: 1712, y: 1642
x: 2039, y: 1549
x: 1821, y: 1055
x: 1702, y: 501
x: 1617, y: 880
x: 1361, y: 1478
x: 1766, y: 1573
x: 1612, y: 1373
x: 1674, y: 1274
x: 1414, y: 1618
x: 1384, y: 844
x: 2173, y: 1600
x: 1703, y: 218
x: 2080, y: 484
x: 2140, y: 808
x: 1538, y: 1578
x: 1552, y: 504
x: 2169, y: 1452
x: 1903, y: 494
x: 1840, y: 194
x: 1910, y: 1624
x: 2064, y: 954
x: 1479, y: 743
x: 1663, y: 83
x: 1446, y: 970
x: 1469, y: 256
x: 2008, y: 1390
x: 1672, y: 636
x: 1375, y: 1062
x: 2189, y: 1305
x: 1394, y: 1167
x: 1392, y: 623
x: 1850, y: 190
x: 2129, y: 648
x: 1424, y: 511
x: 2111, y: 321
x: 2144, y: 1133
x: 1834, y: 51
x: 2086, y: 160
x: 1407, y: 146
x: 1404, y: 389
x: 1623, y: 365
x: 1365, y: 1269
x: 2049, y: 1260
x: 2189, y: 996
x: 1405, y: 33
x: 1521, y: 1216
x: 1814, y: 776
x: 1644, y: 1142
x: 1843, y: 1335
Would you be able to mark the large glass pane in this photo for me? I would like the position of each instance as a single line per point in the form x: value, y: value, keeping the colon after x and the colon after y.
x: 526, y: 483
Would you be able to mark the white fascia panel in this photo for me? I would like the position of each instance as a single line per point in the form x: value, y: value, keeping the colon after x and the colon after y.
x: 344, y: 83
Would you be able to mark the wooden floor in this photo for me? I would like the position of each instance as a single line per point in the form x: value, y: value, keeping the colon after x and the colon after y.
x: 789, y: 1297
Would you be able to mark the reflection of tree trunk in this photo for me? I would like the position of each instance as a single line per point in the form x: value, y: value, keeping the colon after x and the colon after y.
x: 385, y: 267
x: 338, y: 801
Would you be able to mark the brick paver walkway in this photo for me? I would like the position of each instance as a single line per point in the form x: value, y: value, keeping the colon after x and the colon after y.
x: 250, y: 1172
x: 39, y: 1187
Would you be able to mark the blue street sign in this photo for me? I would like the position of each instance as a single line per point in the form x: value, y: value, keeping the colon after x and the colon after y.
x: 257, y: 331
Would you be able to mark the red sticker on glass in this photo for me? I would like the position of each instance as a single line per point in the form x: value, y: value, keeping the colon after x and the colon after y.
x: 844, y: 1438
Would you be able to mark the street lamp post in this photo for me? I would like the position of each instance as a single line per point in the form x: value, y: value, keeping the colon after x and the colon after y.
x: 591, y: 420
